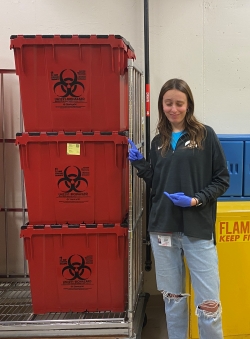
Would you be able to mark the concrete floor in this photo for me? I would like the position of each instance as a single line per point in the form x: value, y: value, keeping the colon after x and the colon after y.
x: 156, y: 321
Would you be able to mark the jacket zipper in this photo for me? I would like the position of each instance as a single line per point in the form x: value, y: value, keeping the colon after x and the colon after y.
x: 180, y: 138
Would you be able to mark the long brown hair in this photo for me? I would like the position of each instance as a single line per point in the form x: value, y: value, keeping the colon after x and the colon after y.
x: 193, y: 127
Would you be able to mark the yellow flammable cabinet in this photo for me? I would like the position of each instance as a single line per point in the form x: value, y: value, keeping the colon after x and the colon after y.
x: 233, y: 246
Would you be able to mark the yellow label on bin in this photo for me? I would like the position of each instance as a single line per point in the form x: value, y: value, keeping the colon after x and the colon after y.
x: 73, y: 149
x: 233, y: 231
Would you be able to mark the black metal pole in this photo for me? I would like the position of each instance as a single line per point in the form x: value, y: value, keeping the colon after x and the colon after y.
x: 148, y: 262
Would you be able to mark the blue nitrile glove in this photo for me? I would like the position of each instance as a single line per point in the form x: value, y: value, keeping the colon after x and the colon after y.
x: 179, y: 199
x: 134, y: 154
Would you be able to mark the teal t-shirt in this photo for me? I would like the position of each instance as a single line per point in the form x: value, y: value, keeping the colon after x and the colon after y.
x: 175, y: 138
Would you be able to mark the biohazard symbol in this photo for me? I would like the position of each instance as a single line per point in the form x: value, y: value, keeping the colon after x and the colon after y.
x: 68, y: 85
x: 76, y: 268
x: 72, y: 181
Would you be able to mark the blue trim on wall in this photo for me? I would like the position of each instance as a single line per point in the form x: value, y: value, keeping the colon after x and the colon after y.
x: 234, y: 137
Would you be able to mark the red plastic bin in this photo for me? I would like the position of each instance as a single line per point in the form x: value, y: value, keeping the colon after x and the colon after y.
x: 73, y: 82
x: 77, y: 268
x: 75, y: 177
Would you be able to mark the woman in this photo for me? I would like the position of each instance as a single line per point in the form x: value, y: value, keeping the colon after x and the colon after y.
x: 187, y: 173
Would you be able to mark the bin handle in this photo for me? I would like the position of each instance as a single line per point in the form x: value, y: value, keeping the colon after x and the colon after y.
x: 21, y: 52
x: 28, y: 248
x: 26, y: 155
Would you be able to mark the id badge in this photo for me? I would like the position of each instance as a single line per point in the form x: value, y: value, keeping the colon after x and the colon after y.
x: 165, y: 240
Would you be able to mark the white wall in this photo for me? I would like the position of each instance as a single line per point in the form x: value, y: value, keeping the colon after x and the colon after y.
x: 70, y: 17
x: 205, y: 42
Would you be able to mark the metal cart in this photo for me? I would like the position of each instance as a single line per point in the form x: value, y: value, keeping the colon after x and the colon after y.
x: 16, y: 316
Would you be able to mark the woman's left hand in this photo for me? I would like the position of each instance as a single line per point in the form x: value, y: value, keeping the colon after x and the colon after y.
x: 179, y: 199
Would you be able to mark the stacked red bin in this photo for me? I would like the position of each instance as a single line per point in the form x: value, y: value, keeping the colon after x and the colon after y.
x: 74, y: 92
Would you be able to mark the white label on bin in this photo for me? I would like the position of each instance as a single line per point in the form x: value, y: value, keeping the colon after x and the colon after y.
x: 234, y: 231
x: 73, y: 149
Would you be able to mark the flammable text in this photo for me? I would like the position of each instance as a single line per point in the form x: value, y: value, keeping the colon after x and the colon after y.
x: 234, y: 231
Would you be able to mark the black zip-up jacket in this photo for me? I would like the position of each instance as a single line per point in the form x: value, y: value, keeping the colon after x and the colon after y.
x: 196, y: 172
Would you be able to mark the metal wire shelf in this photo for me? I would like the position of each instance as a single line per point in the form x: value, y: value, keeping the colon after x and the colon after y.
x: 16, y: 307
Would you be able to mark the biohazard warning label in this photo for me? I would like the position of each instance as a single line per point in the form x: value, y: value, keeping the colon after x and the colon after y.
x: 68, y: 89
x: 234, y: 231
x: 73, y: 184
x: 76, y: 272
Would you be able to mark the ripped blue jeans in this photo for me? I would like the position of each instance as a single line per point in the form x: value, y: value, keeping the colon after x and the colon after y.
x: 202, y: 261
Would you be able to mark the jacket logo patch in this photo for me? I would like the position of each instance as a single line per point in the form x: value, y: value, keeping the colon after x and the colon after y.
x: 190, y: 144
